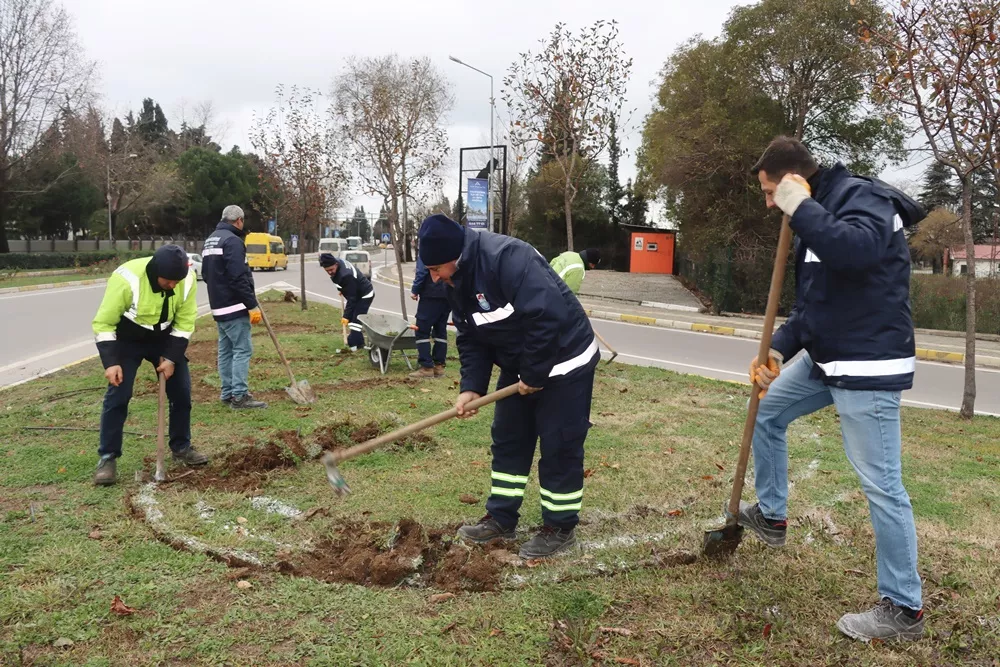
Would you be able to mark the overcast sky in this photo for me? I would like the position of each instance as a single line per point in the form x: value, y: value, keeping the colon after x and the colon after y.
x: 234, y: 53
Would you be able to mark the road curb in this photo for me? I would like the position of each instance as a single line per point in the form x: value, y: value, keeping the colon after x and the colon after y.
x: 44, y: 286
x: 925, y: 354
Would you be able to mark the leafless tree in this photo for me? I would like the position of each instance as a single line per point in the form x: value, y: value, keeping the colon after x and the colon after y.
x: 390, y: 116
x: 43, y: 74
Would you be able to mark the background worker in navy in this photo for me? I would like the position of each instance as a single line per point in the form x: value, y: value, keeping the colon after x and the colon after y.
x: 234, y: 306
x: 512, y: 310
x: 147, y: 313
x: 432, y: 323
x: 358, y: 294
x: 852, y: 318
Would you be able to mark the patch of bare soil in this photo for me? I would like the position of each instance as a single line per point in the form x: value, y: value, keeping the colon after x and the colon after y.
x: 246, y: 469
x: 407, y: 554
x: 346, y: 433
x: 205, y: 352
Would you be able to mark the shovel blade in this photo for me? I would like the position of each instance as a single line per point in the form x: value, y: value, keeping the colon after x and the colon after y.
x: 301, y: 393
x: 723, y: 541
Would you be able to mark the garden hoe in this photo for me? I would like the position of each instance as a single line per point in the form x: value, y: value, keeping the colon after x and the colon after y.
x: 300, y: 391
x: 331, y: 459
x: 613, y: 352
x: 161, y: 474
x: 725, y: 540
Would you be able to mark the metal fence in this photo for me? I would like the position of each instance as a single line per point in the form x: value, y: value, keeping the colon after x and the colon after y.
x: 93, y: 245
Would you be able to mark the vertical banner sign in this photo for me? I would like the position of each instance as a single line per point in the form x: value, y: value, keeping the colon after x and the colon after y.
x: 271, y: 226
x: 476, y: 206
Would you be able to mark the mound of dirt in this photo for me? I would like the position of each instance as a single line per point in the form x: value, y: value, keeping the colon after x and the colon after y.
x: 382, y: 555
x: 246, y: 469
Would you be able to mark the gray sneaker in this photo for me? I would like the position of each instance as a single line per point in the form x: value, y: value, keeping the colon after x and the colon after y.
x: 190, y: 457
x: 246, y: 402
x: 487, y: 530
x: 751, y: 517
x: 106, y: 473
x: 885, y: 621
x: 547, y: 542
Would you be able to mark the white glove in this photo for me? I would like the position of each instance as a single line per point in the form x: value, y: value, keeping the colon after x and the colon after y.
x: 791, y: 191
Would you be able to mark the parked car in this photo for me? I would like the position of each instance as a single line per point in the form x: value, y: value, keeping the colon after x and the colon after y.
x: 361, y: 261
x: 194, y: 264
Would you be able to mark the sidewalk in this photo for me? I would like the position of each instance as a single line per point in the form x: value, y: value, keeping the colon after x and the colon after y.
x: 932, y: 345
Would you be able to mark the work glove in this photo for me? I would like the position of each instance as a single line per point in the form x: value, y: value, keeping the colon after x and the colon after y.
x: 763, y: 376
x: 255, y: 316
x: 791, y: 191
x: 344, y: 321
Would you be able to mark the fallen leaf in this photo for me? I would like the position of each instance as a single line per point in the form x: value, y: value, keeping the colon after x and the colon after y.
x: 534, y: 562
x: 95, y: 534
x: 607, y: 414
x: 707, y: 477
x: 426, y: 391
x: 979, y: 459
x: 624, y: 632
x: 243, y: 584
x: 238, y: 573
x: 767, y: 631
x: 654, y: 400
x: 623, y: 390
x: 616, y: 466
x: 719, y: 466
x: 63, y: 642
x: 628, y: 661
x: 477, y: 464
x: 10, y: 452
x: 83, y: 452
x: 495, y: 632
x: 670, y: 450
x: 857, y: 572
x: 62, y: 470
x: 438, y: 598
x: 241, y: 520
x: 449, y: 627
x: 120, y: 608
x: 677, y: 512
x: 468, y: 499
x: 308, y: 514
x: 588, y: 472
x: 413, y: 406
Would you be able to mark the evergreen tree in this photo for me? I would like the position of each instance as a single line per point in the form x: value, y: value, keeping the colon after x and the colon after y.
x: 636, y: 206
x: 615, y: 191
x: 984, y: 205
x: 940, y: 190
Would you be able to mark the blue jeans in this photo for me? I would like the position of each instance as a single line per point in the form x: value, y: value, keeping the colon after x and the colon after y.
x: 869, y: 422
x: 116, y: 399
x: 235, y: 349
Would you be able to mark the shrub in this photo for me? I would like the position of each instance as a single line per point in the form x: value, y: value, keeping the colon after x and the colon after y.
x: 33, y: 261
x: 938, y: 302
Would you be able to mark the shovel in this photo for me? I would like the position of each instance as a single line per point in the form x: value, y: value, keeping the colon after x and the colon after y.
x: 161, y: 448
x: 331, y: 459
x: 725, y: 540
x: 300, y: 391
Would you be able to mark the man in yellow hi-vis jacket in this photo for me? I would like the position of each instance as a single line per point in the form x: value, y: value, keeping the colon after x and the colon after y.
x: 147, y: 313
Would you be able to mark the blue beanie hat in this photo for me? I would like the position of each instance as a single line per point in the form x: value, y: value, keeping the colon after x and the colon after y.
x: 441, y: 240
x: 326, y: 259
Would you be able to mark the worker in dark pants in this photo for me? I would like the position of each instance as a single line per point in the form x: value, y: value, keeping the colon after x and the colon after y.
x: 512, y: 310
x: 432, y: 323
x: 358, y: 294
x: 147, y: 314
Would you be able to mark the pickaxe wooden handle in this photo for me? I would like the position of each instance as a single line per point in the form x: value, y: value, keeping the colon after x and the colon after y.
x: 605, y: 344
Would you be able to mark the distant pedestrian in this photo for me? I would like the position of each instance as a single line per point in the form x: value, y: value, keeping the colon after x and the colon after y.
x: 358, y: 294
x: 432, y: 323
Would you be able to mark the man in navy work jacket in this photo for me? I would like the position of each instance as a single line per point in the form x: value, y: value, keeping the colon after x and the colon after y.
x: 432, y: 323
x: 852, y: 319
x: 234, y: 306
x: 512, y: 310
x: 358, y: 294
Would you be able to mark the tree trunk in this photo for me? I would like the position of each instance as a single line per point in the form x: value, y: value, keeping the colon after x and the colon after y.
x: 4, y: 245
x: 568, y: 208
x: 302, y: 264
x: 969, y: 394
x: 396, y: 235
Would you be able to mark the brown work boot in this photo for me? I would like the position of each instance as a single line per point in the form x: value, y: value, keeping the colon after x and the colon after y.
x: 191, y: 457
x: 438, y: 370
x: 423, y: 373
x: 106, y: 473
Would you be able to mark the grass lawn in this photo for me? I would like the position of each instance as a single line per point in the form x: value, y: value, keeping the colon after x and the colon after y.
x: 254, y: 561
x: 45, y: 280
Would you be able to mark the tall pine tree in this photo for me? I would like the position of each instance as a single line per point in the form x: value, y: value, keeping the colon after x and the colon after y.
x: 615, y: 191
x: 984, y: 205
x: 940, y: 189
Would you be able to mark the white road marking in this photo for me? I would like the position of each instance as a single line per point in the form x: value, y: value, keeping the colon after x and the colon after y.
x: 56, y: 290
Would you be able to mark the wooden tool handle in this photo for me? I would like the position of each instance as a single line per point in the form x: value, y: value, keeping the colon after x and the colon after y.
x: 365, y: 447
x: 161, y: 428
x: 603, y: 342
x: 770, y: 314
x: 277, y: 346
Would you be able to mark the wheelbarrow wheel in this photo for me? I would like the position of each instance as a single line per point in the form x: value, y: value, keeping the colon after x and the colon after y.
x: 376, y: 355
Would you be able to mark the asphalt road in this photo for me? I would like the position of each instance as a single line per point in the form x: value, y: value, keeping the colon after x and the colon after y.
x: 49, y: 329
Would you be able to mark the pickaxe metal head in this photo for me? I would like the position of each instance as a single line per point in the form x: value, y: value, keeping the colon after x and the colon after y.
x: 333, y: 475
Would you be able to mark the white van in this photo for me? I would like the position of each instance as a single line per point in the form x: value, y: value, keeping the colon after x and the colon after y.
x: 334, y: 246
x: 361, y: 260
x: 354, y: 243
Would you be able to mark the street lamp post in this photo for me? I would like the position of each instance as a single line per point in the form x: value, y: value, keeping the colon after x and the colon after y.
x: 489, y: 182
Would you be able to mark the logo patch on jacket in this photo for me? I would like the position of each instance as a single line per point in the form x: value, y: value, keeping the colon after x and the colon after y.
x: 483, y: 303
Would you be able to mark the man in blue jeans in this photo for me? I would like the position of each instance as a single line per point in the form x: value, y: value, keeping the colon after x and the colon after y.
x: 852, y: 319
x: 234, y: 306
x: 432, y: 323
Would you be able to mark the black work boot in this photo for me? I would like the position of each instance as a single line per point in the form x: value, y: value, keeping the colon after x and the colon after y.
x: 770, y: 532
x: 549, y: 541
x: 106, y: 473
x: 190, y: 457
x: 246, y: 402
x: 487, y: 530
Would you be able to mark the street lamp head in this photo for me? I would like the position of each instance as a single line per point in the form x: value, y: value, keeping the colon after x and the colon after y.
x: 455, y: 60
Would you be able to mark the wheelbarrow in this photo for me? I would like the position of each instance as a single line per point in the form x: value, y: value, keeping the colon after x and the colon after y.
x: 385, y: 333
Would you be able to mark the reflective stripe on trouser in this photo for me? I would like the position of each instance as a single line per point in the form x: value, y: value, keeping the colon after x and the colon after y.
x: 559, y: 416
x: 432, y: 327
x: 355, y: 332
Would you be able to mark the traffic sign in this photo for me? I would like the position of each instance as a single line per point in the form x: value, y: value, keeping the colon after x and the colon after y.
x: 386, y: 238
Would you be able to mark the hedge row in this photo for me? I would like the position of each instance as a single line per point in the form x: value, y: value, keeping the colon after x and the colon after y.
x: 938, y: 302
x: 32, y: 261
